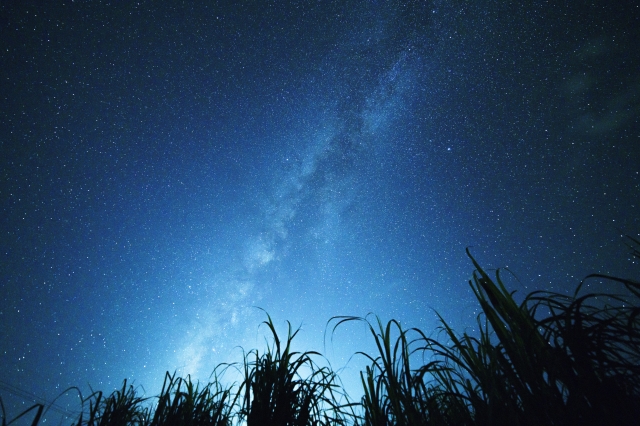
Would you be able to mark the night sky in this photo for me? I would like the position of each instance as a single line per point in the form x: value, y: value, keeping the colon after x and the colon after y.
x: 167, y: 167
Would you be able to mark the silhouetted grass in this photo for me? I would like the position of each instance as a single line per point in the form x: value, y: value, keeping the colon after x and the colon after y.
x: 122, y: 407
x: 181, y: 402
x: 552, y: 359
x: 276, y: 393
x: 580, y: 364
x: 37, y: 410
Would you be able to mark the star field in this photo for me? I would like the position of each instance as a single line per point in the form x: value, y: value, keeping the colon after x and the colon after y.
x: 168, y: 167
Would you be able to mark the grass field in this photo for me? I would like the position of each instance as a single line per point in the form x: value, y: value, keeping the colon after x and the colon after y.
x: 550, y: 360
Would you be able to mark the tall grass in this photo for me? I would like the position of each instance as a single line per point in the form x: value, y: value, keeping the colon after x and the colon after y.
x: 552, y: 359
x: 181, y: 402
x: 577, y: 365
x: 275, y: 392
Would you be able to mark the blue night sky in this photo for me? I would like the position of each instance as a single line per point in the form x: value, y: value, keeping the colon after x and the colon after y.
x: 167, y: 167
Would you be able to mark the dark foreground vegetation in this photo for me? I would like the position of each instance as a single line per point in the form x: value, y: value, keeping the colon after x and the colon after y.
x: 550, y: 360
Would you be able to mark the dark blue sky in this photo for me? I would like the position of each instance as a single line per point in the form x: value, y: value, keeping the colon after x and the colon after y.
x: 166, y: 167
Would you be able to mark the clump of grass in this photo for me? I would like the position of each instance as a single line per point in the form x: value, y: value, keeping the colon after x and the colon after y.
x: 275, y: 391
x: 182, y: 402
x: 579, y: 364
x: 393, y: 392
x: 121, y: 407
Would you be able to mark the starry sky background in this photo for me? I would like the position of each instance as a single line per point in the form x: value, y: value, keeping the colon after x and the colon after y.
x: 166, y: 167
